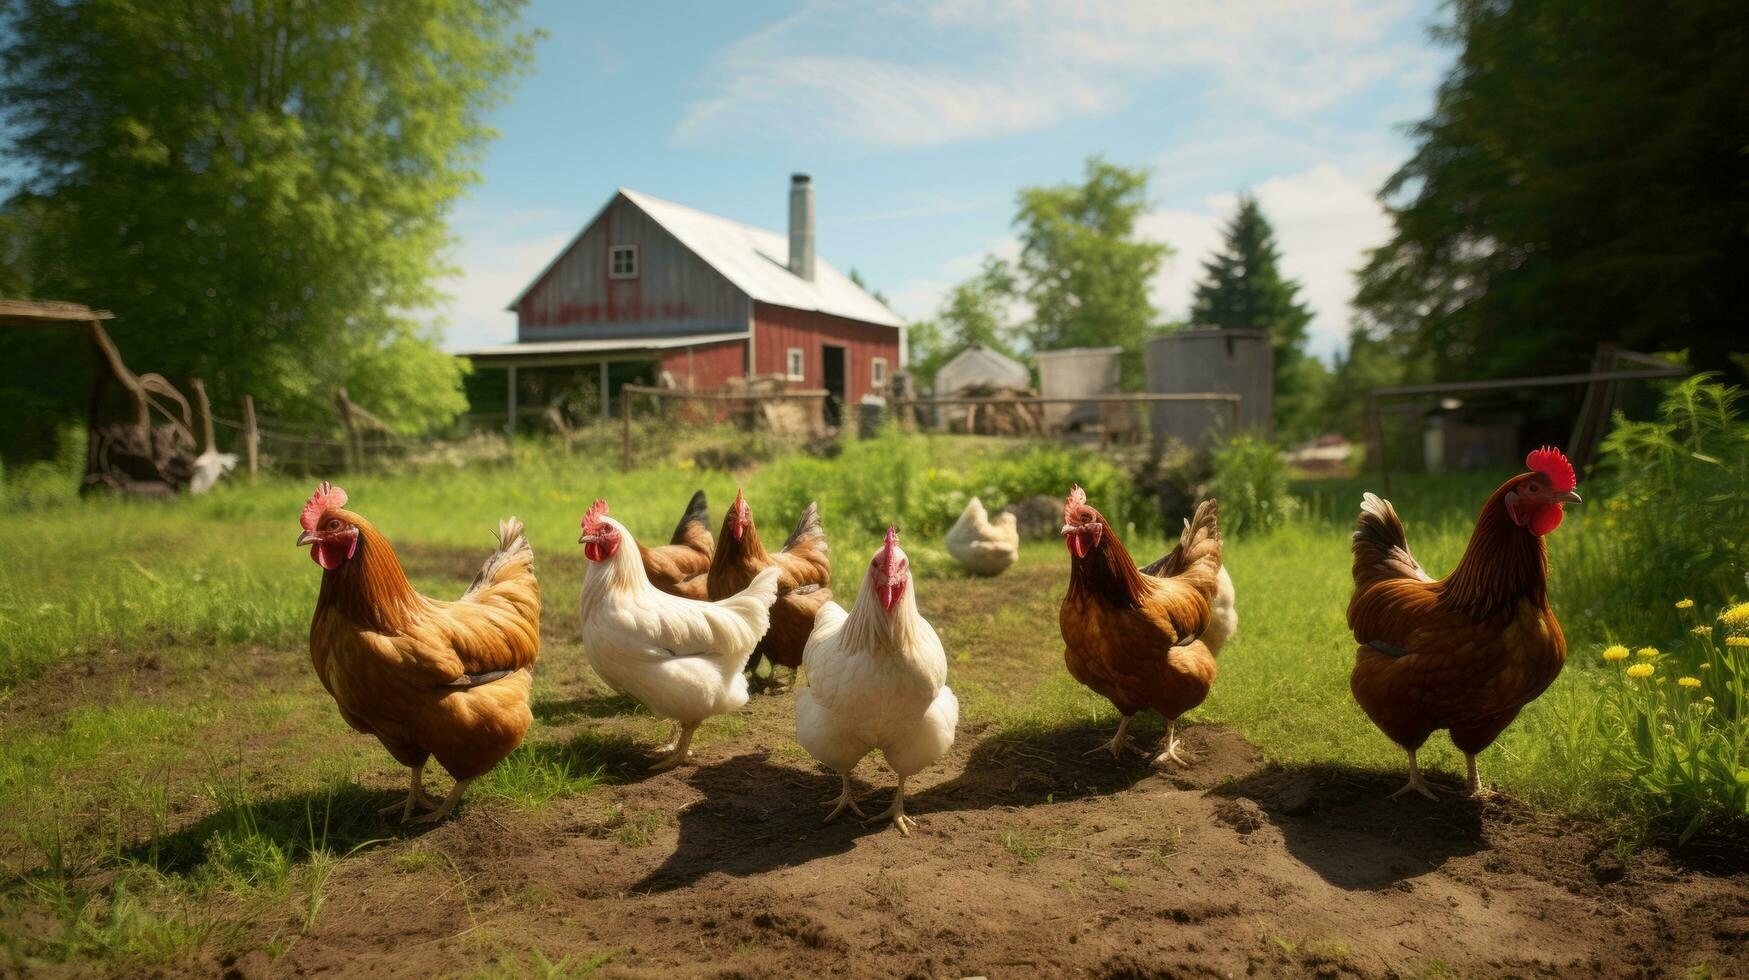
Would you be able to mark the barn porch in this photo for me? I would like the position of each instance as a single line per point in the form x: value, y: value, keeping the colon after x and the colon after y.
x: 691, y: 362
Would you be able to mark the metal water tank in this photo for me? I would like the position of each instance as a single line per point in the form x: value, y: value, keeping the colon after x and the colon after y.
x: 1238, y: 362
x: 1075, y: 372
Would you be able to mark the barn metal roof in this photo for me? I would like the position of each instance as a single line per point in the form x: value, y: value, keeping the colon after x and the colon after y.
x: 559, y: 349
x: 756, y: 261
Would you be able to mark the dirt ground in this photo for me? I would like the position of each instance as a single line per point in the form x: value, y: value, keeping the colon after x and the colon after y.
x: 1031, y: 858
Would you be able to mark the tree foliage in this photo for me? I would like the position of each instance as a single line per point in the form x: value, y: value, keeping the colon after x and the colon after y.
x: 1243, y: 289
x: 1584, y: 177
x: 259, y: 191
x: 975, y: 313
x: 1086, y: 272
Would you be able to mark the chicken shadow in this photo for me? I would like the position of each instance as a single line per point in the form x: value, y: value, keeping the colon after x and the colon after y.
x: 562, y: 710
x: 1341, y: 822
x: 759, y: 816
x: 258, y: 839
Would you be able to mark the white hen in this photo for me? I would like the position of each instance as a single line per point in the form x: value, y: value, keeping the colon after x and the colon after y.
x: 985, y: 547
x: 877, y: 679
x: 681, y: 658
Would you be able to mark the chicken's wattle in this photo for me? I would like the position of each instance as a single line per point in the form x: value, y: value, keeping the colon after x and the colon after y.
x: 330, y: 554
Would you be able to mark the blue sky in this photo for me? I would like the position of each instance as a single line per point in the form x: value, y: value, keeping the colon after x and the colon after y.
x: 919, y: 122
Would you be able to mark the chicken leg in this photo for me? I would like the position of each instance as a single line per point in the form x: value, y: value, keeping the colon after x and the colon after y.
x: 682, y: 750
x: 1170, y: 752
x: 1415, y: 783
x: 455, y: 796
x: 416, y: 795
x: 1474, y: 782
x: 1118, y: 742
x: 843, y: 800
x: 896, y: 812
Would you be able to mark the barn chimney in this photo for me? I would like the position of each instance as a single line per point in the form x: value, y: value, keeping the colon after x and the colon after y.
x: 801, y: 226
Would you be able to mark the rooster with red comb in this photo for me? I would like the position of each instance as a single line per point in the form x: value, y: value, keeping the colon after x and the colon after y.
x: 877, y: 679
x: 1467, y: 652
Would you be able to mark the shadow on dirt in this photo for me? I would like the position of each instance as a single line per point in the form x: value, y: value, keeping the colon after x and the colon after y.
x: 758, y: 816
x: 1341, y: 822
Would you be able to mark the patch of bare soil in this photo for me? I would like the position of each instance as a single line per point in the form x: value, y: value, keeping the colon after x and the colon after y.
x: 1030, y: 859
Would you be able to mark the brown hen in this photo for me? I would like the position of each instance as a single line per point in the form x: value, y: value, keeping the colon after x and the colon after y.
x: 1136, y: 638
x: 426, y: 677
x: 1467, y: 652
x: 679, y: 567
x: 804, y: 580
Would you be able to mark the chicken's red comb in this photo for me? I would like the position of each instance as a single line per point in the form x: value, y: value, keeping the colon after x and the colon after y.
x: 327, y: 496
x: 1077, y: 498
x: 1552, y: 463
x: 888, y: 557
x: 740, y: 500
x: 595, y: 513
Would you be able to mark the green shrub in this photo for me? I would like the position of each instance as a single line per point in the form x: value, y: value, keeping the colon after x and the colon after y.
x: 1675, y: 723
x: 1251, y: 483
x: 1674, y: 497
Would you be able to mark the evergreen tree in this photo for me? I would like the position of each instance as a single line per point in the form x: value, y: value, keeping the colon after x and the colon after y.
x: 1244, y: 289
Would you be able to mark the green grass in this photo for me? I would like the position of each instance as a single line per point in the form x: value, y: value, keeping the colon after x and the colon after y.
x: 177, y: 780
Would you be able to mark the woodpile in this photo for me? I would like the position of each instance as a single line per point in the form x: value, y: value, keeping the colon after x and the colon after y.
x: 1004, y: 414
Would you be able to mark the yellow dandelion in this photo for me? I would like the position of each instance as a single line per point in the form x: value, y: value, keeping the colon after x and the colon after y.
x: 1708, y: 699
x: 1685, y: 604
x: 1646, y: 652
x: 1687, y: 682
x: 1706, y: 666
x: 1640, y: 670
x: 1737, y: 641
x: 1617, y: 652
x: 1737, y: 616
x: 1669, y: 729
x: 1701, y: 630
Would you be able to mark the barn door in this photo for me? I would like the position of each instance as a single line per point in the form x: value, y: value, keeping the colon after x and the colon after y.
x: 833, y: 367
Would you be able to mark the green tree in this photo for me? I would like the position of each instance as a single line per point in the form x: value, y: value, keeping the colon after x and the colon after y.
x: 975, y: 312
x: 1086, y: 272
x: 259, y: 191
x: 1243, y: 289
x: 1613, y: 205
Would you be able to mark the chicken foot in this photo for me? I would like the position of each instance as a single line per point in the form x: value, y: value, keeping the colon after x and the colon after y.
x: 1119, y: 742
x: 1474, y: 782
x: 682, y: 750
x: 455, y: 796
x: 416, y: 795
x: 1170, y: 752
x: 1416, y: 783
x: 895, y: 813
x: 843, y: 800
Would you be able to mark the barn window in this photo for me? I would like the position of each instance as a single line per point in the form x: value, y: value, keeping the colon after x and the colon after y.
x: 878, y: 371
x: 622, y: 262
x: 795, y: 364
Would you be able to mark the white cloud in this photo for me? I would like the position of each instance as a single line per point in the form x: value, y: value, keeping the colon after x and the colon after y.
x: 495, y: 263
x: 904, y: 75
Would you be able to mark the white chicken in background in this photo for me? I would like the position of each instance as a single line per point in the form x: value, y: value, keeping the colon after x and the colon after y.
x: 983, y: 547
x: 877, y: 679
x: 1223, y: 608
x: 681, y: 658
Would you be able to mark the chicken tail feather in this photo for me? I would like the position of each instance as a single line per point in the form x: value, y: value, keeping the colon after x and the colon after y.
x: 808, y: 530
x: 512, y: 546
x: 1381, y: 547
x: 1198, y: 552
x: 696, y: 519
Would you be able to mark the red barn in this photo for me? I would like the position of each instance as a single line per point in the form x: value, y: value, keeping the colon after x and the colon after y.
x: 702, y: 299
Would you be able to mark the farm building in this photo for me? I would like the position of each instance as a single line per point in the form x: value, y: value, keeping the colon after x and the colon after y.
x: 699, y: 299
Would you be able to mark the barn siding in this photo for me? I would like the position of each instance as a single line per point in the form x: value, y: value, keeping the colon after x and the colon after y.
x: 675, y: 291
x: 778, y: 328
x: 706, y: 366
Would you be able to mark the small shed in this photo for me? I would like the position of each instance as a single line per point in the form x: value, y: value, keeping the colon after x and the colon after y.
x: 1238, y: 362
x: 1072, y: 373
x: 979, y: 365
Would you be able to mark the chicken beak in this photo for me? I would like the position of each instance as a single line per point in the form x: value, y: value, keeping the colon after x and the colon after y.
x: 889, y: 594
x: 1568, y: 498
x: 305, y: 539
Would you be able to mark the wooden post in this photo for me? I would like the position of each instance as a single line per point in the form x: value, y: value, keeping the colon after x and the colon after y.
x: 251, y: 437
x: 1375, y: 428
x: 625, y: 414
x: 510, y: 423
x: 606, y: 399
x: 350, y: 430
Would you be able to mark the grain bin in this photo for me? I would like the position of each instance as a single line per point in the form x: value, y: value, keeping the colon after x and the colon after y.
x: 1237, y: 362
x: 1073, y: 373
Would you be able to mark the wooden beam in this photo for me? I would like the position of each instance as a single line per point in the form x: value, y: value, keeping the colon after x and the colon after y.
x: 606, y: 400
x: 625, y: 414
x: 510, y: 409
x: 1545, y: 381
x: 251, y: 437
